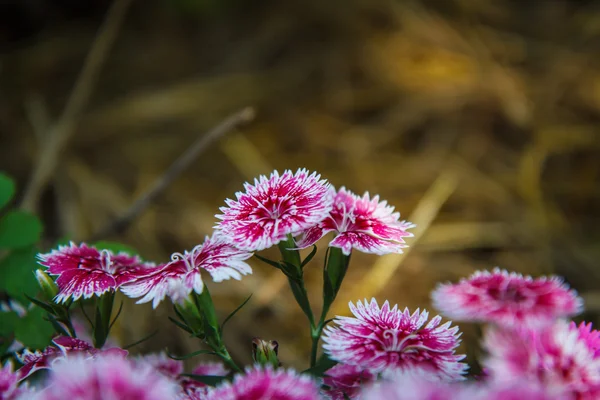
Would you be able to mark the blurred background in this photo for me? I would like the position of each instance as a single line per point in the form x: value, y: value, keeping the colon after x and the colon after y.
x: 478, y: 120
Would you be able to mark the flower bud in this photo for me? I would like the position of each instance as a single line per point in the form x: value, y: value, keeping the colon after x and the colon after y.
x: 49, y: 288
x: 264, y: 352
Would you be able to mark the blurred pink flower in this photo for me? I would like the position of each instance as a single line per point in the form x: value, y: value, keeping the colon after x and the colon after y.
x: 259, y: 383
x: 410, y: 387
x: 366, y: 224
x: 507, y: 299
x: 178, y: 278
x: 9, y: 384
x: 590, y: 336
x: 106, y: 377
x: 63, y: 346
x: 273, y: 208
x: 188, y: 387
x: 346, y: 381
x: 518, y: 391
x: 86, y: 271
x: 554, y: 355
x: 196, y: 390
x: 389, y: 340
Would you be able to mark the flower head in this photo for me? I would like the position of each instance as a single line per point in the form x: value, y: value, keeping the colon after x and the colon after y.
x: 410, y: 387
x: 196, y: 390
x: 106, y: 377
x: 63, y: 346
x: 388, y: 340
x: 519, y: 390
x: 554, y: 356
x: 506, y: 299
x: 346, y: 381
x: 163, y: 364
x: 86, y: 271
x: 178, y: 278
x: 9, y: 384
x: 366, y: 224
x: 259, y: 383
x: 590, y: 336
x: 275, y: 207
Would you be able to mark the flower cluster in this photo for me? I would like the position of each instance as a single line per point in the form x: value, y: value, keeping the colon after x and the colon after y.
x: 380, y: 352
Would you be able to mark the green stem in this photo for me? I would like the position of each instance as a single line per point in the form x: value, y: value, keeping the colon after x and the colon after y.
x: 226, y: 357
x: 315, y: 334
x: 103, y: 313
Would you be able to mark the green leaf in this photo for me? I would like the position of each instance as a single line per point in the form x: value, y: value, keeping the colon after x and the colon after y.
x: 116, y: 247
x: 194, y: 354
x: 321, y: 366
x: 180, y: 325
x: 267, y: 261
x: 17, y: 276
x: 46, y: 307
x: 19, y: 229
x: 33, y: 330
x: 210, y: 380
x: 142, y: 340
x: 8, y: 321
x: 234, y: 312
x: 309, y: 256
x: 299, y: 292
x: 7, y: 189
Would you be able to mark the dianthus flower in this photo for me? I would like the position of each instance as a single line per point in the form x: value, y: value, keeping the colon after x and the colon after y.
x: 173, y: 369
x: 346, y: 381
x: 86, y: 271
x: 410, y: 387
x: 9, y: 384
x: 196, y: 390
x: 554, y: 356
x: 178, y: 278
x: 507, y: 299
x: 590, y: 336
x: 106, y: 377
x: 273, y: 208
x: 366, y: 224
x: 259, y: 383
x: 63, y: 346
x: 388, y: 340
x: 518, y: 391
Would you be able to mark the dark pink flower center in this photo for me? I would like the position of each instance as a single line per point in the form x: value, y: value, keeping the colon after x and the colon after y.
x: 510, y: 294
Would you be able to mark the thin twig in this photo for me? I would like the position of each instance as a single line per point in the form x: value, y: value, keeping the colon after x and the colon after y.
x: 64, y: 127
x: 182, y: 163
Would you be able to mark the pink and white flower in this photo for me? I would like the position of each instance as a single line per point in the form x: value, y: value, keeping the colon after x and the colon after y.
x: 590, y: 336
x: 106, y: 377
x: 63, y: 347
x: 362, y: 223
x: 180, y: 277
x: 86, y: 271
x: 518, y: 391
x: 189, y: 388
x: 9, y: 384
x: 388, y: 340
x: 505, y: 298
x: 196, y: 390
x: 410, y: 387
x: 259, y: 383
x: 555, y: 356
x: 346, y: 381
x: 273, y: 208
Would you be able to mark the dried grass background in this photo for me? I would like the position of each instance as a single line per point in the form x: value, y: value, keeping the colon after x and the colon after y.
x: 478, y: 120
